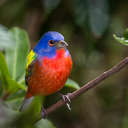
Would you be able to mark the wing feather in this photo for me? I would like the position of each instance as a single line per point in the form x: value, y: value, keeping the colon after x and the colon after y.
x: 31, y: 58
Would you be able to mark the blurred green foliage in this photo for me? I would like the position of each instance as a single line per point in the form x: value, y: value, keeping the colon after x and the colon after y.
x: 88, y: 27
x: 124, y: 39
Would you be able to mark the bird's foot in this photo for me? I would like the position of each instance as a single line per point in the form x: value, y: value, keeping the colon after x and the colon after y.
x: 43, y: 112
x: 66, y: 100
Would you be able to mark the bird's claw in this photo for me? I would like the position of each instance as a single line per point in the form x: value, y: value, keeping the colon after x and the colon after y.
x: 67, y: 101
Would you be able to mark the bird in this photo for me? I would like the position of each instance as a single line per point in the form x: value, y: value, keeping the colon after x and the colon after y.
x: 48, y: 66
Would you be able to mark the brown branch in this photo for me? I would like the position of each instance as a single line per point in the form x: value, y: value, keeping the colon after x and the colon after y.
x: 88, y: 86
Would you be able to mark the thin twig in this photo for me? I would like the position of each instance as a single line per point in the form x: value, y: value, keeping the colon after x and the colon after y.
x: 87, y: 86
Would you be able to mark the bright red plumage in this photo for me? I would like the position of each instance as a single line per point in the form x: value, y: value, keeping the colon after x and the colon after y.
x: 49, y: 74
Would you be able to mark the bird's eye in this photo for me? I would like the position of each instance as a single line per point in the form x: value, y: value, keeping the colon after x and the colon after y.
x: 51, y: 43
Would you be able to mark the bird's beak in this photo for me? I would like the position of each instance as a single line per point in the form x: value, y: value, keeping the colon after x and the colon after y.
x: 61, y: 44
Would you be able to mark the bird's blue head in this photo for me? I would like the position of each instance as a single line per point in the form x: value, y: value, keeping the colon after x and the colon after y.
x: 49, y: 43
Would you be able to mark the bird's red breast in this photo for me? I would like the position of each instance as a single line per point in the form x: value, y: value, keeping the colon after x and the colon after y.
x: 49, y: 74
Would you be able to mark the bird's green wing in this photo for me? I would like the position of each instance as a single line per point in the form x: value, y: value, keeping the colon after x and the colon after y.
x: 31, y: 58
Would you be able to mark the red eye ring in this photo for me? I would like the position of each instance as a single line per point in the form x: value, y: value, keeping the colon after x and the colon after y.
x: 51, y: 43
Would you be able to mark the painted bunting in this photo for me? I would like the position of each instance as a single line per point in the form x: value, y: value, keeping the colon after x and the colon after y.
x: 48, y: 65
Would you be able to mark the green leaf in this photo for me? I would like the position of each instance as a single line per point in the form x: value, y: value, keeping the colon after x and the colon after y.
x: 6, y: 39
x: 126, y: 34
x: 3, y: 65
x: 121, y: 40
x: 14, y: 104
x: 14, y: 86
x: 72, y: 84
x: 8, y: 84
x: 8, y: 113
x: 16, y: 58
x: 4, y: 77
x: 44, y: 123
x: 1, y: 88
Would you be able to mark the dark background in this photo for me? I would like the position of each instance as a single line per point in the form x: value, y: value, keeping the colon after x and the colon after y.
x: 88, y: 27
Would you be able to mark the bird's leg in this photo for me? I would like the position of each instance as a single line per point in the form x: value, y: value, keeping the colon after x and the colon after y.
x: 66, y: 100
x: 25, y: 104
x: 22, y: 106
x: 43, y: 112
